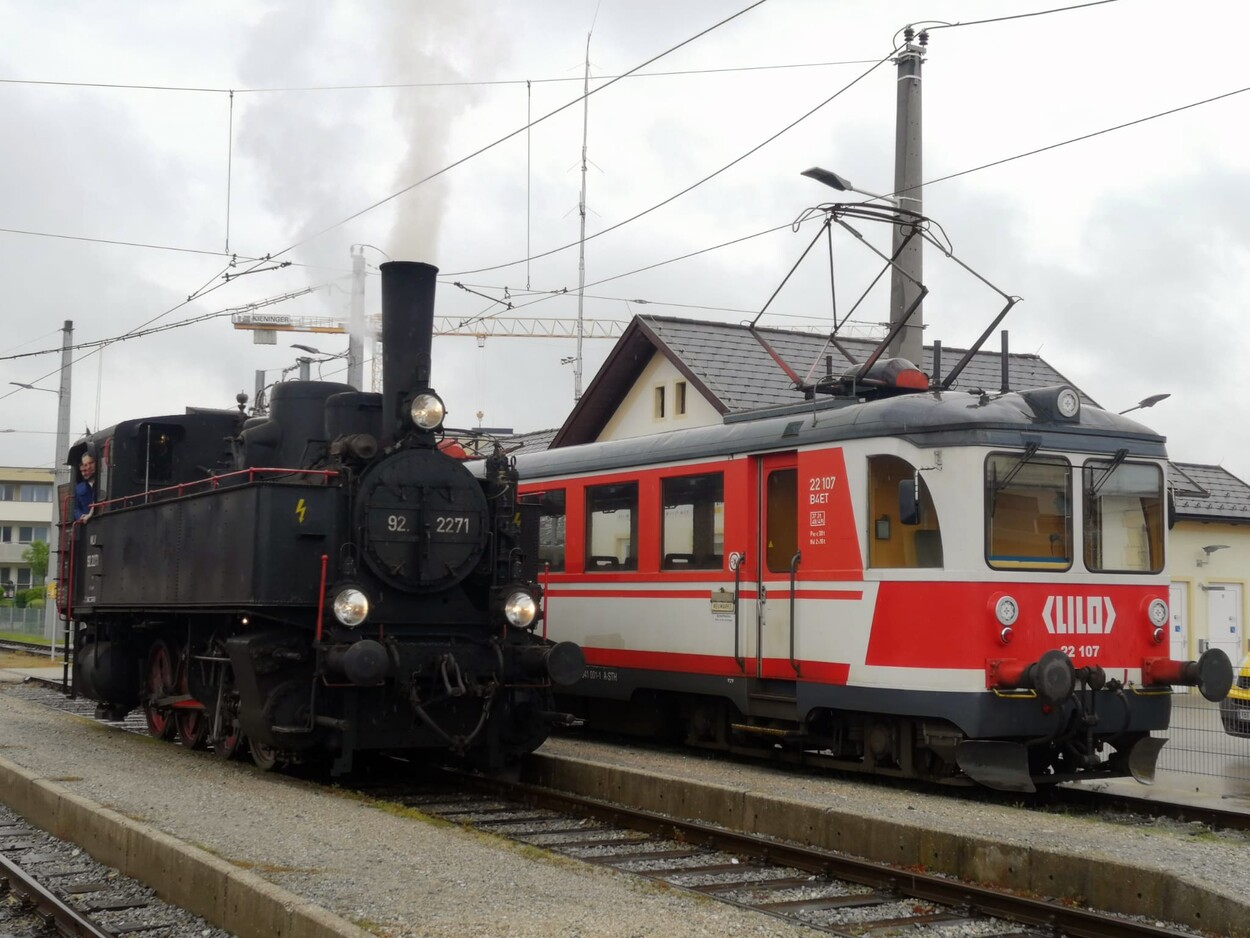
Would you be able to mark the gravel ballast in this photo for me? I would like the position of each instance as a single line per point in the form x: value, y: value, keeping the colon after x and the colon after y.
x: 394, y: 876
x: 402, y: 876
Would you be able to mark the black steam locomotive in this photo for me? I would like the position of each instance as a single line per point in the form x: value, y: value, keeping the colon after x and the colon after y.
x: 316, y: 582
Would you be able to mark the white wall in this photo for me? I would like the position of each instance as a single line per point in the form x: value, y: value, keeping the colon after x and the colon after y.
x: 636, y: 415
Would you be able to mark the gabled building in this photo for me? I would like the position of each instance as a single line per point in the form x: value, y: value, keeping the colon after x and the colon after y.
x: 1209, y: 550
x: 667, y: 373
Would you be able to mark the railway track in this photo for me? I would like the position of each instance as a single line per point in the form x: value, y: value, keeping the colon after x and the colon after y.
x: 56, y: 888
x: 823, y: 890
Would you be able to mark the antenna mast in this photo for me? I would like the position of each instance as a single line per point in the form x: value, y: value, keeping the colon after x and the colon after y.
x: 581, y: 250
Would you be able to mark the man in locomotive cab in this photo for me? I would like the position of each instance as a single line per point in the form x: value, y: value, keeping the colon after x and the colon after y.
x: 84, y: 491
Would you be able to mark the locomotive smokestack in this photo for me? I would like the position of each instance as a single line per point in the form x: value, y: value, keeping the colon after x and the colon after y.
x: 407, y: 334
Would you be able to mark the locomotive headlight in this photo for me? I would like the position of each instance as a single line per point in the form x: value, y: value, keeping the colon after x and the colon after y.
x: 1006, y: 610
x: 427, y: 410
x: 1068, y: 403
x: 351, y: 607
x: 1157, y: 612
x: 520, y: 609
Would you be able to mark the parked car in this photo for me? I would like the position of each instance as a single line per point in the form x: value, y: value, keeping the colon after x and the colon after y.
x: 1235, y: 708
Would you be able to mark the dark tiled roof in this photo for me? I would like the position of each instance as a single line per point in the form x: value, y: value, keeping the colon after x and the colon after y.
x: 734, y: 369
x: 1208, y: 493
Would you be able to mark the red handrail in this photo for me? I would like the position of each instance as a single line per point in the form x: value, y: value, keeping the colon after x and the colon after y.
x: 189, y: 488
x: 321, y: 595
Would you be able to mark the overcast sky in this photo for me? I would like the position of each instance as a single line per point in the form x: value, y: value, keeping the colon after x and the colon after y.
x: 1129, y: 249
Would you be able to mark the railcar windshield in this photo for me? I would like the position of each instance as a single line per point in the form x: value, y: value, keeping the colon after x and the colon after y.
x: 1028, y: 515
x: 1124, y: 527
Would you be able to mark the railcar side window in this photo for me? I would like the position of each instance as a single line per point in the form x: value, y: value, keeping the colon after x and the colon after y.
x: 782, y: 493
x: 693, y: 522
x: 612, y: 527
x: 1124, y: 523
x: 890, y: 542
x: 551, y: 529
x: 1028, y: 514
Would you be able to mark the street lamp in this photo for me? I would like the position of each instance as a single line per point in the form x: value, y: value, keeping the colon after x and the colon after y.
x: 834, y: 181
x: 31, y: 387
x: 1147, y: 402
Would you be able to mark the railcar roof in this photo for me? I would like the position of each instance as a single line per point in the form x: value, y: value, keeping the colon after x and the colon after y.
x: 935, y: 418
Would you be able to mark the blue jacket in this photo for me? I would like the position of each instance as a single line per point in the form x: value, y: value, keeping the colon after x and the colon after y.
x: 84, y: 495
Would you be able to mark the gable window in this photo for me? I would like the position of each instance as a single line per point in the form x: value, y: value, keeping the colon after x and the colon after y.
x: 612, y: 527
x: 693, y: 522
x: 679, y: 399
x: 659, y: 402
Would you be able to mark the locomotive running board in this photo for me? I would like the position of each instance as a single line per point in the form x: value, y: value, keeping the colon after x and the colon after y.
x: 1000, y: 765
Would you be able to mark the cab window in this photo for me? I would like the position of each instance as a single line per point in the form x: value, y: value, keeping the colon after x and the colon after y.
x: 612, y: 527
x: 1028, y: 516
x: 1124, y: 523
x: 693, y: 522
x: 154, y: 454
x: 895, y: 540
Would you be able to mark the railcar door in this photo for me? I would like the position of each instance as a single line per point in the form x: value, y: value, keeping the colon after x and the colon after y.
x: 776, y: 562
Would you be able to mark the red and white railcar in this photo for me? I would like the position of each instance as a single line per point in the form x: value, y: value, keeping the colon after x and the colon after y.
x: 932, y: 584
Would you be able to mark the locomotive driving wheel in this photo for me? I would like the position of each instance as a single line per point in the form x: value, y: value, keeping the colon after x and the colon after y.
x: 266, y: 757
x: 159, y: 683
x: 192, y: 720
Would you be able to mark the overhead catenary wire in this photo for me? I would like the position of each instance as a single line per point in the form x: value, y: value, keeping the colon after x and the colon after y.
x: 400, y: 86
x: 506, y: 137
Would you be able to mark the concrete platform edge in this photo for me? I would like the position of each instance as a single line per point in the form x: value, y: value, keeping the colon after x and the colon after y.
x: 224, y: 895
x: 1096, y: 882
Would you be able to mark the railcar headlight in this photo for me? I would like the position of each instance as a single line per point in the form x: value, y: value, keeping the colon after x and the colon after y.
x: 427, y: 410
x: 520, y: 609
x: 1006, y: 610
x: 351, y: 607
x: 1068, y: 403
x: 1157, y: 612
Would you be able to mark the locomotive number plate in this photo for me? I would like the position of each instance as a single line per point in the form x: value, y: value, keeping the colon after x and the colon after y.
x: 448, y: 526
x: 398, y: 525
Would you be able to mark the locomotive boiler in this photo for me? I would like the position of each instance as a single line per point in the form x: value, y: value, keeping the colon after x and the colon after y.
x: 317, y: 582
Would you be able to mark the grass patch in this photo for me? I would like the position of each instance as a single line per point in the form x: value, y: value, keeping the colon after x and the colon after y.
x: 31, y: 637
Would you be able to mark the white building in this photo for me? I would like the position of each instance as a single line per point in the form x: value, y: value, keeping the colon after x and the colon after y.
x: 26, y: 503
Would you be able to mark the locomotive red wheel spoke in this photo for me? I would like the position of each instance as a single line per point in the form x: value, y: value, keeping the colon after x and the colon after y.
x: 192, y: 723
x: 158, y: 684
x: 231, y: 745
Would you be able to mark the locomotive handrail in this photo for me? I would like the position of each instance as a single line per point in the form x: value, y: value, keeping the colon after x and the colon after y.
x: 794, y: 569
x: 212, y: 482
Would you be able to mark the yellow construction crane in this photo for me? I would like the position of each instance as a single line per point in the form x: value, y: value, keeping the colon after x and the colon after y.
x: 266, y: 326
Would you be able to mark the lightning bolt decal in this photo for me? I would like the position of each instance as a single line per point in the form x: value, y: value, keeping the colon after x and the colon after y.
x: 299, y: 510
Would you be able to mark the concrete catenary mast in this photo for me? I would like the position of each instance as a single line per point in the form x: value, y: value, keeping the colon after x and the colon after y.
x: 908, y: 167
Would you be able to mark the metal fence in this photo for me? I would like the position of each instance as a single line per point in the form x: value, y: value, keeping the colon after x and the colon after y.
x: 1199, y: 748
x: 22, y: 621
